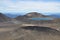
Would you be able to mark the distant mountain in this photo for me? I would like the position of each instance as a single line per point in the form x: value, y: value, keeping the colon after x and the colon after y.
x: 4, y: 18
x: 30, y: 15
x: 55, y: 15
x: 12, y: 15
x: 34, y: 14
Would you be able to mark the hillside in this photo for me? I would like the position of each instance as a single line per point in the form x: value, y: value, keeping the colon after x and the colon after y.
x: 4, y: 18
x: 30, y: 15
x: 34, y: 14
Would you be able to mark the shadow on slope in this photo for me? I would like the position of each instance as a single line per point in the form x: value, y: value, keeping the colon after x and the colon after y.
x: 42, y: 29
x: 31, y: 33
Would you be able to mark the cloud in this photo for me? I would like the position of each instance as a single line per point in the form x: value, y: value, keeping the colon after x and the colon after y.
x: 28, y: 6
x: 36, y: 0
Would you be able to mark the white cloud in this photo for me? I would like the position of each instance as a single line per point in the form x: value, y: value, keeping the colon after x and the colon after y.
x: 24, y: 6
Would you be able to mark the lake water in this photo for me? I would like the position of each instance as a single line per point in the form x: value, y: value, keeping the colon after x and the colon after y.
x: 41, y: 18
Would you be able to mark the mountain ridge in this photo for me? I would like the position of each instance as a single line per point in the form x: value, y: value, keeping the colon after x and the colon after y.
x: 30, y: 15
x: 4, y: 18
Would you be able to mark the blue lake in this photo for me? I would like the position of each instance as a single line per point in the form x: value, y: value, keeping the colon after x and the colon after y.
x: 41, y: 18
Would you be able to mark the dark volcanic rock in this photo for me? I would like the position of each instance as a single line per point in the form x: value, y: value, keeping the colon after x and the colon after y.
x: 4, y: 18
x: 42, y: 29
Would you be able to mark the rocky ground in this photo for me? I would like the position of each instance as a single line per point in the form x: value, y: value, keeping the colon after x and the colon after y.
x: 19, y: 31
x: 21, y: 28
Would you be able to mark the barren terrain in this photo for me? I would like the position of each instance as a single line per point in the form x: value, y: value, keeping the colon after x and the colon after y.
x: 24, y: 31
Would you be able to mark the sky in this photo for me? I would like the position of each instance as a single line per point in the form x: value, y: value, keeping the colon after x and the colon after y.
x: 41, y: 6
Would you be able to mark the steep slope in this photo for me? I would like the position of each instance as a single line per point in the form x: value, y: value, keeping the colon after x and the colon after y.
x: 34, y: 14
x: 4, y: 18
